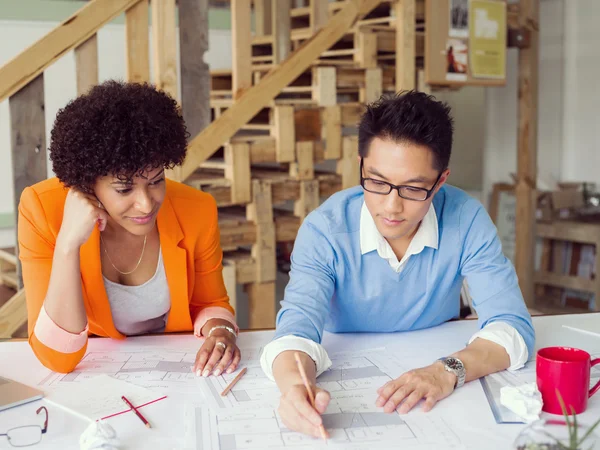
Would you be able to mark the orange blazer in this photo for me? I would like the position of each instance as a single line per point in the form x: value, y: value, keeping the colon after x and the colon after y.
x: 189, y: 237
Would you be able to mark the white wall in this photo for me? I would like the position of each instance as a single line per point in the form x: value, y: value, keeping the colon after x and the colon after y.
x: 500, y: 155
x: 60, y: 83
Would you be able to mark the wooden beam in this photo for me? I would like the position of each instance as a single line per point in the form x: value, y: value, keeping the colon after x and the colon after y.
x: 13, y: 315
x: 137, y: 45
x: 373, y: 85
x: 348, y: 166
x: 230, y: 280
x: 332, y: 120
x: 324, y: 89
x: 282, y: 43
x: 309, y: 198
x: 525, y: 188
x: 86, y: 64
x: 405, y: 44
x: 261, y: 304
x: 237, y: 170
x: 284, y: 132
x: 260, y: 95
x: 261, y: 212
x: 263, y: 16
x: 304, y: 167
x: 28, y: 141
x: 164, y: 46
x: 319, y: 14
x: 365, y: 45
x: 31, y: 62
x: 195, y: 73
x: 241, y: 47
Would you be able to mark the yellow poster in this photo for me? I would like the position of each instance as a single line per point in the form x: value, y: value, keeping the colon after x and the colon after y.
x: 487, y: 36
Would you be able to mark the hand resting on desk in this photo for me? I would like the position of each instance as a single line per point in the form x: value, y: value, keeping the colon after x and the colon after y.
x: 223, y: 357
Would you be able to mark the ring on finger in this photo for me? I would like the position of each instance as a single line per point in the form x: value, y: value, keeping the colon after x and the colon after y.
x: 221, y: 344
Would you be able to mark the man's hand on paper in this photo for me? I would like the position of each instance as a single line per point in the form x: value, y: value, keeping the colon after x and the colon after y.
x: 297, y: 413
x: 432, y: 383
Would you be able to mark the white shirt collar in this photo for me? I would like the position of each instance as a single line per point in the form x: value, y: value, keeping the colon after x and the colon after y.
x: 371, y: 239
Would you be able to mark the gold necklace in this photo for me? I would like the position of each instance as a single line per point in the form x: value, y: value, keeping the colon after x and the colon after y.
x: 110, y: 260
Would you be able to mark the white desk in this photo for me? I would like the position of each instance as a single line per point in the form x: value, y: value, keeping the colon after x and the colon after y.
x: 471, y: 417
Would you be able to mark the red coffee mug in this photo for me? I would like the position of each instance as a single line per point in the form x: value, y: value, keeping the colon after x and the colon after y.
x: 566, y: 370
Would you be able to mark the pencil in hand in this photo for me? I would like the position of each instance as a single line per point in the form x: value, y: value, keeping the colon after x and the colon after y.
x: 310, y: 392
x: 137, y: 413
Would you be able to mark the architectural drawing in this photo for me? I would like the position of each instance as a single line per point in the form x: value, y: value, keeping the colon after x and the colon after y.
x: 357, y: 430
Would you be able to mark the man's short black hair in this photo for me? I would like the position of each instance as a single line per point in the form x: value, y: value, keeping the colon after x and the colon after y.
x: 412, y: 117
x: 119, y: 129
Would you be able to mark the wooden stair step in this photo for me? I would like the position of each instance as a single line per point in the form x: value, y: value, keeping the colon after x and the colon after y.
x: 8, y: 255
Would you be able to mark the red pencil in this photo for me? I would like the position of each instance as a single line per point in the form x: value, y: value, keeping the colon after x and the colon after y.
x: 142, y: 418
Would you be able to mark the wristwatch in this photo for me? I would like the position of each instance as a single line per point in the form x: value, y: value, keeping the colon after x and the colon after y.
x: 457, y: 367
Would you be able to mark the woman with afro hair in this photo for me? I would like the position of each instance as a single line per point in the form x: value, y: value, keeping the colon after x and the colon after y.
x: 110, y: 247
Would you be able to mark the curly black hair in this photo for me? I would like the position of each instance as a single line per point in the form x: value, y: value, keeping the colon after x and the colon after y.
x: 119, y: 129
x: 409, y: 116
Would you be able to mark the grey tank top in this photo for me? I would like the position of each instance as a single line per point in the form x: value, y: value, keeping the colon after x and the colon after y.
x: 140, y: 309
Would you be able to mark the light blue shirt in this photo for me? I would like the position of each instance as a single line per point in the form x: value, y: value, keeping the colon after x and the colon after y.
x: 334, y: 287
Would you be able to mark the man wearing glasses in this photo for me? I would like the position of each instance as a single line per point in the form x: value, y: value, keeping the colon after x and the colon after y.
x: 391, y: 255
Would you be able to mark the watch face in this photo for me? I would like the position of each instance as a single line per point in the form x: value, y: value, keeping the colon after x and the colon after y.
x: 454, y: 363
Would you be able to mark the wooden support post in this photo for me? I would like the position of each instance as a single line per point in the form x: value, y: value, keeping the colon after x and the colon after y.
x: 324, y: 88
x: 373, y: 85
x: 348, y: 166
x: 13, y: 314
x: 28, y: 141
x: 304, y: 166
x: 195, y: 73
x: 260, y: 211
x: 525, y: 188
x: 229, y: 278
x: 86, y: 64
x: 405, y: 44
x: 281, y: 30
x: 309, y: 198
x: 263, y: 16
x: 332, y: 120
x: 365, y: 45
x: 164, y: 49
x: 137, y: 45
x: 237, y: 170
x: 319, y: 14
x: 8, y: 268
x: 242, y: 47
x: 261, y: 304
x: 422, y: 86
x: 284, y: 132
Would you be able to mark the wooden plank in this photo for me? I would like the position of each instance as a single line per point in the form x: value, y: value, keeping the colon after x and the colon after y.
x: 405, y: 44
x: 75, y: 30
x: 261, y: 304
x: 348, y: 166
x: 229, y: 278
x: 137, y: 45
x: 263, y: 17
x: 351, y: 113
x: 585, y: 233
x: 365, y: 49
x: 260, y: 95
x: 565, y: 281
x: 282, y: 43
x: 303, y: 168
x: 164, y: 46
x: 261, y: 212
x: 373, y: 85
x: 195, y: 73
x: 86, y: 64
x: 319, y: 14
x: 332, y: 119
x: 324, y: 90
x: 309, y: 198
x: 307, y: 124
x: 28, y: 140
x: 241, y: 46
x: 237, y: 170
x: 284, y: 132
x: 13, y: 315
x: 527, y: 150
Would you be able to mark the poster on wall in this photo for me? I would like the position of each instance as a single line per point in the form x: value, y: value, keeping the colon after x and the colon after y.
x: 457, y: 55
x: 459, y: 18
x: 487, y: 35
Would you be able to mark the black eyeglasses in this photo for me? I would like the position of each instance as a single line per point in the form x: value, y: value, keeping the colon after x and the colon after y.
x: 384, y: 188
x: 28, y: 434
